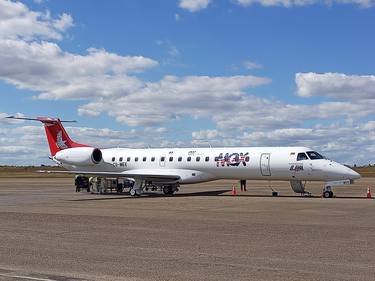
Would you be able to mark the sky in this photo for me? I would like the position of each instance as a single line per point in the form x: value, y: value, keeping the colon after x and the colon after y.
x: 189, y: 73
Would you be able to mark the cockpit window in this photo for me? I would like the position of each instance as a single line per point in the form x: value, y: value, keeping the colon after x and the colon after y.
x: 302, y: 156
x: 314, y: 155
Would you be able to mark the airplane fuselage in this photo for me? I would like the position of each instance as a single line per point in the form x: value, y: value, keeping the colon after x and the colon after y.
x: 167, y: 168
x: 195, y: 165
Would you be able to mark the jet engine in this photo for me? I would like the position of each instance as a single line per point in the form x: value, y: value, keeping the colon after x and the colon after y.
x: 82, y: 156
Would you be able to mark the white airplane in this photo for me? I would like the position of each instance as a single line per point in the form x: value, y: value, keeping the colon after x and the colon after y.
x: 168, y: 168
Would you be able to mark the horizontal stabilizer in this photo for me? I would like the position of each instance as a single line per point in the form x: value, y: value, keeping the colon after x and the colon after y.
x: 41, y: 119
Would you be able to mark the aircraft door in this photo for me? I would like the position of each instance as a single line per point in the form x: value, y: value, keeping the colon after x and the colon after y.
x: 265, y: 164
x: 162, y: 161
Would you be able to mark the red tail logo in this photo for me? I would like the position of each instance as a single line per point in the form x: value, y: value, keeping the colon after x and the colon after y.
x: 60, y: 142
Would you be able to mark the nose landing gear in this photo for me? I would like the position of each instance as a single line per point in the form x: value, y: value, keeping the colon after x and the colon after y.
x: 327, y: 190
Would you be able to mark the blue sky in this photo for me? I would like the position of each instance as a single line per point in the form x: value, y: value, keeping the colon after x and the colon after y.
x: 190, y: 73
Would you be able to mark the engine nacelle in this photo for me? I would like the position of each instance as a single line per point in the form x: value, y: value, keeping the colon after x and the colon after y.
x: 83, y: 156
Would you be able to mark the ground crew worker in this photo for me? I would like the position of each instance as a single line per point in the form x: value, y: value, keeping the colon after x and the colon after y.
x: 243, y: 185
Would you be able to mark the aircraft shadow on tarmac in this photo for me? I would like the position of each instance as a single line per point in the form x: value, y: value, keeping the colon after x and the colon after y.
x: 213, y: 193
x: 115, y: 196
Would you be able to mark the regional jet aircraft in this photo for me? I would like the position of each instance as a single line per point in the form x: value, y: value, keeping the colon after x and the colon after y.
x: 168, y: 168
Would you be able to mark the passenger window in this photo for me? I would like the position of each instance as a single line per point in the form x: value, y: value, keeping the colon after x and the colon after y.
x: 170, y: 159
x: 179, y: 159
x: 162, y: 159
x: 189, y: 159
x: 152, y: 159
x: 120, y: 159
x: 198, y: 159
x: 113, y: 159
x: 136, y: 159
x: 128, y: 159
x: 302, y: 156
x: 144, y: 159
x: 207, y: 159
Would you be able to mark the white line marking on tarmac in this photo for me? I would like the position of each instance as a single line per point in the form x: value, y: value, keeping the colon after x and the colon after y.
x: 26, y: 277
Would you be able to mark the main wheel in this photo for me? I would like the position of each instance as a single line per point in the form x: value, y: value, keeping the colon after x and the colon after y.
x: 132, y: 192
x: 328, y: 194
x: 167, y: 190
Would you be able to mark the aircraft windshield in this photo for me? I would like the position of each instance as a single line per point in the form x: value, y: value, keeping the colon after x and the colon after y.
x: 302, y: 156
x: 314, y: 155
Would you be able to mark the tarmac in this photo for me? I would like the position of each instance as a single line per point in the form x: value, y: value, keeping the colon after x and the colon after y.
x: 48, y: 232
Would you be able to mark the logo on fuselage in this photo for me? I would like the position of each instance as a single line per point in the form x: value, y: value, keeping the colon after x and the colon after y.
x: 60, y: 142
x: 296, y: 167
x: 232, y: 159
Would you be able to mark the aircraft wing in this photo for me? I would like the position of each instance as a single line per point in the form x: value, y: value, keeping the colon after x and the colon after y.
x: 164, y: 175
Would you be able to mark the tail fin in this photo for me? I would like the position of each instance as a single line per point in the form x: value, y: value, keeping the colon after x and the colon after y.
x: 58, y: 138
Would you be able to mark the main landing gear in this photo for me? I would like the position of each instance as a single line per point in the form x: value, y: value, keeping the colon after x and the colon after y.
x: 140, y: 186
x: 169, y: 189
x: 327, y: 192
x: 134, y: 192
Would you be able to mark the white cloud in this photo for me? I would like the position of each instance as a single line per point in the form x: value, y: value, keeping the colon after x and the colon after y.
x: 194, y: 5
x: 291, y: 3
x: 12, y: 149
x: 223, y: 100
x: 173, y: 97
x: 17, y: 21
x: 362, y: 3
x: 205, y: 134
x: 173, y: 51
x: 43, y: 67
x: 251, y: 65
x: 285, y: 3
x: 336, y: 85
x: 64, y: 22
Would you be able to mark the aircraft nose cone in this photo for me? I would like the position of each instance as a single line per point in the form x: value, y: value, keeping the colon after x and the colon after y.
x: 354, y: 175
x: 336, y: 171
x: 345, y: 172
